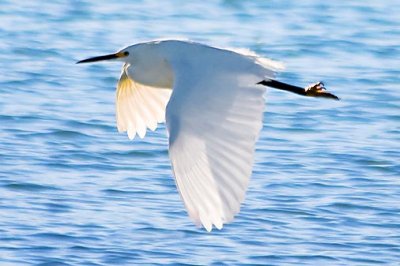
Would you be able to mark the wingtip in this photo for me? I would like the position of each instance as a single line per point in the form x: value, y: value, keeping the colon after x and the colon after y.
x: 131, y: 134
x: 210, y: 226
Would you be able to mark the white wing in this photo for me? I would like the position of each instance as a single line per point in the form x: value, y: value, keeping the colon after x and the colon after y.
x: 138, y: 106
x: 214, y: 118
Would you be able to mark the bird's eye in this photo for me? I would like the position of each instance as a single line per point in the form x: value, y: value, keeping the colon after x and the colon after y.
x: 126, y: 53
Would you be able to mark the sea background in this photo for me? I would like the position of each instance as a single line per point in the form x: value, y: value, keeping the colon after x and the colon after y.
x: 325, y: 189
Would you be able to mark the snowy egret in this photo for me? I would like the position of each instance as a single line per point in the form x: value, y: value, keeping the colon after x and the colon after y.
x: 212, y: 102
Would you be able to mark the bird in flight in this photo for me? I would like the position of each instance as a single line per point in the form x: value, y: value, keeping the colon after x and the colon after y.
x: 212, y: 102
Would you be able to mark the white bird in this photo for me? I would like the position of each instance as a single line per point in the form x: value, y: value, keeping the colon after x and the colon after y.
x: 212, y: 101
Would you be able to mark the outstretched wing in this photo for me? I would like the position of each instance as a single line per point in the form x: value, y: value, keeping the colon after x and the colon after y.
x: 214, y: 118
x: 138, y: 106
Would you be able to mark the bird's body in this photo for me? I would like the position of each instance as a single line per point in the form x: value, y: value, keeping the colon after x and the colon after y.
x: 212, y: 100
x: 154, y: 61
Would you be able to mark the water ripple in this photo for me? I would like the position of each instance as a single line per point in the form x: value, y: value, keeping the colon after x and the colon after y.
x: 325, y: 186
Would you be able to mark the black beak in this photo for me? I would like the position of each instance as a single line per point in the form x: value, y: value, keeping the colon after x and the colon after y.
x: 100, y: 58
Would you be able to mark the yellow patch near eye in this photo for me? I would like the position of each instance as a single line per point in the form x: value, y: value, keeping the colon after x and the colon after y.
x: 122, y: 54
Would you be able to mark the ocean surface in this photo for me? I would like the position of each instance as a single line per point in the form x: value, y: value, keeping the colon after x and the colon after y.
x: 325, y: 189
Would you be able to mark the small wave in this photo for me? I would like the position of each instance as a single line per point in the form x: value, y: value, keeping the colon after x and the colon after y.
x: 54, y: 236
x: 29, y: 187
x: 58, y: 133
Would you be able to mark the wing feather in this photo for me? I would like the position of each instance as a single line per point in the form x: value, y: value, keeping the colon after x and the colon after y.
x: 214, y: 118
x: 139, y: 107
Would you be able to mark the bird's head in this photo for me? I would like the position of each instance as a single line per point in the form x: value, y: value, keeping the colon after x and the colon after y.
x: 122, y: 55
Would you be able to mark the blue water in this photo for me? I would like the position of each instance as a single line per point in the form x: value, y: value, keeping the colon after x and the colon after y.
x: 326, y: 183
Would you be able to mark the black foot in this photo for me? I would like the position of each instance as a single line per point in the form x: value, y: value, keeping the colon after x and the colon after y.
x: 318, y: 90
